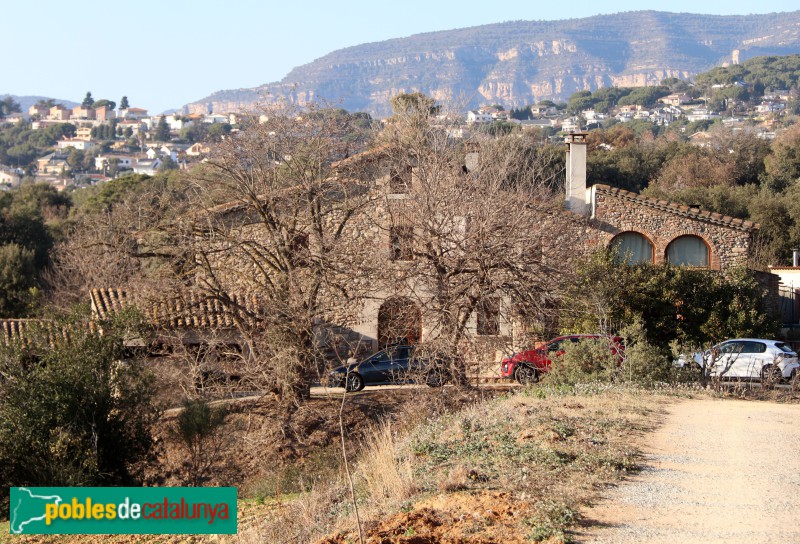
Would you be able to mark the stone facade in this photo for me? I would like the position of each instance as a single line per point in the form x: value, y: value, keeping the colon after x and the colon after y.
x: 615, y: 211
x: 566, y: 235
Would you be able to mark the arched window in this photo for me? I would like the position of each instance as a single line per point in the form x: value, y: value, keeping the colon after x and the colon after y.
x: 632, y: 248
x: 688, y: 251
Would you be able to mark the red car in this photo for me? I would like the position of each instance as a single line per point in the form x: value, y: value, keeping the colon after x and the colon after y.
x: 526, y: 366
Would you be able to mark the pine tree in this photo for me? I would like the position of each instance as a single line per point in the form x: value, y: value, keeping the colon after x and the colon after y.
x: 123, y: 104
x: 162, y: 130
x: 88, y: 101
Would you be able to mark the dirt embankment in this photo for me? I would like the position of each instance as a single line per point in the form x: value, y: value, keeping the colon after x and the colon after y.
x: 258, y: 437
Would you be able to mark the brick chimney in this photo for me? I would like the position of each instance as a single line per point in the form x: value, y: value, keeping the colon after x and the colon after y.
x: 576, y: 173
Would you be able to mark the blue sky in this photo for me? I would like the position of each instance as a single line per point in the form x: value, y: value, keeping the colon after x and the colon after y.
x: 163, y: 54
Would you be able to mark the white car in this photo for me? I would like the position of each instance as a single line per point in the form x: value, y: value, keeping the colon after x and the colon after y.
x: 748, y: 358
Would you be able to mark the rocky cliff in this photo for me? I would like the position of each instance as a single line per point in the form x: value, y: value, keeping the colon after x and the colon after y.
x: 522, y: 62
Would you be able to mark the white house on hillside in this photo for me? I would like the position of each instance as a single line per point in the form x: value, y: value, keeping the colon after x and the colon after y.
x: 147, y: 166
x: 81, y: 145
x: 474, y: 116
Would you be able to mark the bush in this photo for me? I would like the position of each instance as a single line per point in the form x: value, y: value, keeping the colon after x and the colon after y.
x: 198, y: 429
x: 585, y: 361
x: 642, y: 362
x: 594, y: 360
x: 688, y: 305
x: 72, y: 411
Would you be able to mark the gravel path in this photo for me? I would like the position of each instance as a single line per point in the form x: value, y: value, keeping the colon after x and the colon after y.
x: 716, y: 471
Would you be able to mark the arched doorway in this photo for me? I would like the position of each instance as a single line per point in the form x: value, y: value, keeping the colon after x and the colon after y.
x: 399, y: 319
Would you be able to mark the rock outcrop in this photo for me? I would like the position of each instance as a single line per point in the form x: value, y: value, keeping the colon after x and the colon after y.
x: 522, y: 62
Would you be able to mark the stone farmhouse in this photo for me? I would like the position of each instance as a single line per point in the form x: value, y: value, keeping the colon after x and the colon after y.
x: 643, y: 229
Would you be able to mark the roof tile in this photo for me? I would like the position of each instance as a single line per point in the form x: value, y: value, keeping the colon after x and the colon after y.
x: 679, y: 209
x: 183, y: 310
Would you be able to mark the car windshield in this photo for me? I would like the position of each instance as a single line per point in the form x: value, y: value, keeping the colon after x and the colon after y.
x: 783, y: 347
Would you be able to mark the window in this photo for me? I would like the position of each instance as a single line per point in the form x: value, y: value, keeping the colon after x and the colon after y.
x: 488, y: 318
x: 688, y: 251
x: 400, y: 179
x: 380, y: 357
x: 731, y: 348
x: 632, y: 248
x: 754, y: 347
x: 398, y: 353
x: 401, y: 239
x: 299, y: 250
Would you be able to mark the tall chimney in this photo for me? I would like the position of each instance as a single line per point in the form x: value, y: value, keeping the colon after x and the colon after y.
x: 576, y: 172
x: 795, y: 257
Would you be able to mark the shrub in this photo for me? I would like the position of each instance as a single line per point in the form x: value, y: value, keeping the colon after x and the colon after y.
x: 585, y: 361
x: 642, y: 362
x: 198, y: 427
x: 688, y: 305
x: 72, y: 412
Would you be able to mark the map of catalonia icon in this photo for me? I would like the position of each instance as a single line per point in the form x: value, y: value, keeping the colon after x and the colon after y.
x: 29, y: 508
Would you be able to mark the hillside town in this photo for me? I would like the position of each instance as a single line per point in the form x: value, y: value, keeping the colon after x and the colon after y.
x: 673, y: 108
x: 102, y: 142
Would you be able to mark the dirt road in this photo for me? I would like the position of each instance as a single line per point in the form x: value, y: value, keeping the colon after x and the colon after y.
x: 717, y: 471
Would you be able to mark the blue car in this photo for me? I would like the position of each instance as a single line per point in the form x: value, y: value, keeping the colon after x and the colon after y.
x: 392, y: 365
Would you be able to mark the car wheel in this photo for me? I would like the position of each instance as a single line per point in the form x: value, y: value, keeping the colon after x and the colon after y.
x: 770, y: 376
x: 354, y: 382
x: 526, y: 375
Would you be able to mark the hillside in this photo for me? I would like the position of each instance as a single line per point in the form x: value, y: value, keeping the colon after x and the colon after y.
x: 522, y: 62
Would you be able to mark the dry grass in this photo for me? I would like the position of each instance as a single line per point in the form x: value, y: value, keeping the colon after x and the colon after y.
x: 513, y: 468
x: 545, y: 451
x: 385, y: 468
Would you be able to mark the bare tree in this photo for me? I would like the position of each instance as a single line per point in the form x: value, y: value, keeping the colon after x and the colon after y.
x: 285, y: 232
x: 122, y: 243
x: 469, y: 221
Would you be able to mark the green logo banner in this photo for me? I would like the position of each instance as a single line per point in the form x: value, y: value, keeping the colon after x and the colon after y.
x: 122, y: 510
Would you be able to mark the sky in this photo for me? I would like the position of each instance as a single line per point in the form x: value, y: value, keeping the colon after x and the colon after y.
x: 162, y: 54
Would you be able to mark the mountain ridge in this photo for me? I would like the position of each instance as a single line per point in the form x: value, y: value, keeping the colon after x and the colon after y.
x: 522, y: 62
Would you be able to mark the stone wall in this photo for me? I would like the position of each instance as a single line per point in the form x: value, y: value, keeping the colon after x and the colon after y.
x: 616, y: 211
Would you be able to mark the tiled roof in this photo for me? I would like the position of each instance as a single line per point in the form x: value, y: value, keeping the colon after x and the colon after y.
x: 185, y: 310
x: 368, y: 155
x: 680, y: 209
x: 26, y: 330
x: 17, y: 330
